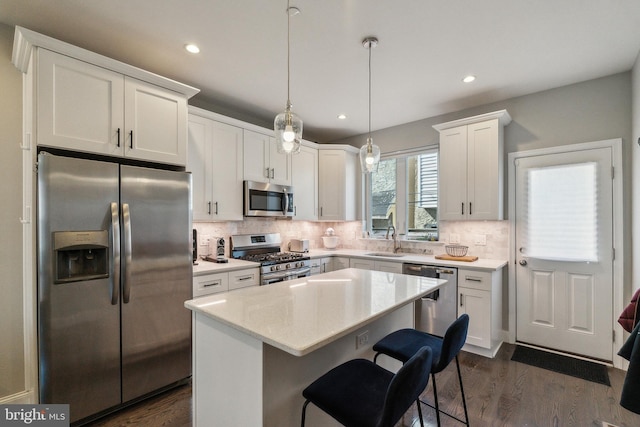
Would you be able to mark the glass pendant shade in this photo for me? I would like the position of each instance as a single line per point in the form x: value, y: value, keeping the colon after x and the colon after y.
x: 288, y: 132
x: 369, y: 157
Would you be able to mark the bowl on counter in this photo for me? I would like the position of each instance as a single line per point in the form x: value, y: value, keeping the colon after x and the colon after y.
x: 330, y: 242
x: 456, y: 250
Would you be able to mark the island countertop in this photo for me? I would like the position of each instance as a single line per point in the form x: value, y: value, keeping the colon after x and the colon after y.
x: 300, y: 316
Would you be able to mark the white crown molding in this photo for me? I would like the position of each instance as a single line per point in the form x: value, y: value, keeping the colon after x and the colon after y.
x: 502, y: 115
x: 25, y: 40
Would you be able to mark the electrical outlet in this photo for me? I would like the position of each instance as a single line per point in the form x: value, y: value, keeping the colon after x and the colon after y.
x: 204, y: 239
x: 481, y: 239
x: 454, y: 238
x: 428, y: 251
x: 362, y: 339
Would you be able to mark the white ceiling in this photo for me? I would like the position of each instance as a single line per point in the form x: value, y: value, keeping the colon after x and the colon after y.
x: 514, y: 47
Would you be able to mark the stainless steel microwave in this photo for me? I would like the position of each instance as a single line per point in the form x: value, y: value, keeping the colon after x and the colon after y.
x: 262, y: 199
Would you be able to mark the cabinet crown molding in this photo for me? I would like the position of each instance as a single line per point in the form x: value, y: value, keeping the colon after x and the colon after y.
x: 25, y: 40
x: 502, y: 115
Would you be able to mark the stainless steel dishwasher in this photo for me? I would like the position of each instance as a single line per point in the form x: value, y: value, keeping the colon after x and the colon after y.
x: 437, y: 310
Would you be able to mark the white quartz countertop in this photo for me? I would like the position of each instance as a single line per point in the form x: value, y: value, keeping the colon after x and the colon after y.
x: 480, y: 264
x: 207, y: 267
x: 302, y: 315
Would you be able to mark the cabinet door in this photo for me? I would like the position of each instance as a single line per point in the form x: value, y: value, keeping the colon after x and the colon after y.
x: 155, y: 123
x: 199, y: 163
x: 388, y: 266
x: 484, y: 177
x: 363, y: 264
x: 280, y: 165
x: 305, y: 184
x: 80, y: 106
x: 256, y: 156
x: 244, y: 278
x: 477, y: 304
x: 210, y: 284
x: 339, y: 263
x: 331, y: 185
x: 452, y: 174
x: 226, y: 172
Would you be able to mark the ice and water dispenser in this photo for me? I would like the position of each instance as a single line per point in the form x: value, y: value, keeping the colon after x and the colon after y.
x: 81, y: 255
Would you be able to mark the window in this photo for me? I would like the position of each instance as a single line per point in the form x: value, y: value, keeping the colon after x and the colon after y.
x: 404, y: 193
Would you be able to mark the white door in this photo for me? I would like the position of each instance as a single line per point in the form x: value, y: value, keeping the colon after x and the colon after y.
x: 564, y: 269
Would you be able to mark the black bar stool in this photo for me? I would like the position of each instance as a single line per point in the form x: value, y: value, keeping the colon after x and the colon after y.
x: 402, y: 345
x: 360, y: 393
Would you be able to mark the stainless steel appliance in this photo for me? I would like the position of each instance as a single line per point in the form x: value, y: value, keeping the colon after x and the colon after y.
x: 114, y: 269
x: 275, y: 266
x: 437, y: 310
x: 299, y: 245
x: 263, y: 199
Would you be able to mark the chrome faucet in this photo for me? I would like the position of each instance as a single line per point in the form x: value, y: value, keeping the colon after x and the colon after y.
x: 394, y: 236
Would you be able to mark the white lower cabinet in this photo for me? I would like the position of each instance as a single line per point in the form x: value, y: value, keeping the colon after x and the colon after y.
x: 364, y: 264
x: 208, y: 284
x: 369, y: 264
x: 339, y: 263
x: 321, y: 265
x: 480, y: 296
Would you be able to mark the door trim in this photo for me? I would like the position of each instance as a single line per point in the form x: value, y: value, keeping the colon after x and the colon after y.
x: 618, y: 235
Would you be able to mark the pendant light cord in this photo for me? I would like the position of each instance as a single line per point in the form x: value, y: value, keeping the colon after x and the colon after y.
x: 370, y: 47
x: 288, y: 52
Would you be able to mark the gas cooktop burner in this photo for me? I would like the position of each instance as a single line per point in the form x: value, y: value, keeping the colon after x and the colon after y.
x: 274, y: 258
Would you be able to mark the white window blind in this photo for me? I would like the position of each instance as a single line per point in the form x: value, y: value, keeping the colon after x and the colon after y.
x: 562, y: 213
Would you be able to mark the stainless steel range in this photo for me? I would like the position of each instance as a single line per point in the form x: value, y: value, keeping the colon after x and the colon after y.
x: 276, y: 266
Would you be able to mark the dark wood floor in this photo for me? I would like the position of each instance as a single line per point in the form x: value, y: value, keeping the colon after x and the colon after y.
x: 499, y: 393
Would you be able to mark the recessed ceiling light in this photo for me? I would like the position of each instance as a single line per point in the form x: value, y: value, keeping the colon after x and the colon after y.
x: 342, y: 116
x: 192, y: 48
x: 469, y: 79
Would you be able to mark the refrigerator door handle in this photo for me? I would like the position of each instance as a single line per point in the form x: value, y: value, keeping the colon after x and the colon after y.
x: 126, y: 220
x: 115, y: 244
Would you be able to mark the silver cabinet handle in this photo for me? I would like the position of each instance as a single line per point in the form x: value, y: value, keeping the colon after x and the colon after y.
x: 522, y: 262
x: 242, y: 279
x: 209, y: 208
x: 216, y: 208
x: 461, y: 300
x: 115, y: 251
x: 462, y: 208
x: 267, y: 175
x: 273, y: 173
x: 214, y: 283
x: 126, y: 286
x: 470, y: 212
x: 473, y: 279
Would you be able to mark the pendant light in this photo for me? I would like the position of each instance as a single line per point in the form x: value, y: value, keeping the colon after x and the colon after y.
x: 369, y: 153
x: 287, y: 125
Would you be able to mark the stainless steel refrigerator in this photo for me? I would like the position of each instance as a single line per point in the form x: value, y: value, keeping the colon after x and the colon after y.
x: 114, y: 269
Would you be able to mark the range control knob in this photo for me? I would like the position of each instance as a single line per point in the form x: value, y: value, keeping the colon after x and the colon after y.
x: 288, y: 266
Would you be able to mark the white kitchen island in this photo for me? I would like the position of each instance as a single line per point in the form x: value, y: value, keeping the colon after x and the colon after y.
x: 255, y: 349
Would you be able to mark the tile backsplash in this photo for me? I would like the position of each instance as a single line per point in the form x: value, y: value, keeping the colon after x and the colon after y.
x: 469, y: 233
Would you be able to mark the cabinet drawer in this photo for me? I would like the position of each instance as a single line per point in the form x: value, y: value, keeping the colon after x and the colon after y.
x: 243, y: 278
x: 474, y: 279
x: 210, y: 284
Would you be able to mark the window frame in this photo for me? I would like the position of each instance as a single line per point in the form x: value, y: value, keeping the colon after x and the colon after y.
x: 401, y: 219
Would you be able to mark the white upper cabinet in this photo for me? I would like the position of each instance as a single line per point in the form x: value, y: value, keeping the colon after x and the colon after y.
x: 262, y: 162
x: 80, y: 107
x: 304, y: 169
x: 471, y: 167
x: 337, y: 186
x: 84, y: 107
x: 156, y: 123
x: 215, y: 162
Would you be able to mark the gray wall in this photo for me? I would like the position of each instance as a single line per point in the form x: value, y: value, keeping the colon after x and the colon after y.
x: 589, y: 111
x: 11, y: 314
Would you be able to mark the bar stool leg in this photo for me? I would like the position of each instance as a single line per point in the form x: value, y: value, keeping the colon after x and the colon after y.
x: 435, y: 397
x: 304, y: 411
x: 420, y: 412
x: 464, y: 401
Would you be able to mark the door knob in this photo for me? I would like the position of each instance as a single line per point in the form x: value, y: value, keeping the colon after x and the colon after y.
x: 523, y: 262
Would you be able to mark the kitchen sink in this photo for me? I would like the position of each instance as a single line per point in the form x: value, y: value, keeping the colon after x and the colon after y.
x: 386, y: 254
